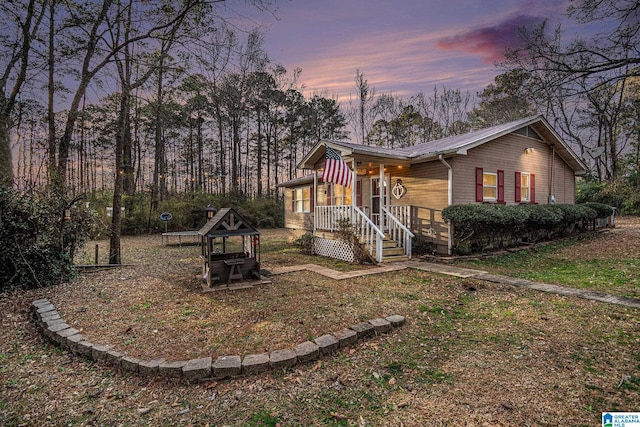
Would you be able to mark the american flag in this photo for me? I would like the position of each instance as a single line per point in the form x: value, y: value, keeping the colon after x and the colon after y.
x: 336, y: 170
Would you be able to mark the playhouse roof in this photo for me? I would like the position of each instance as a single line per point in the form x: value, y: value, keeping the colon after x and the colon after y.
x: 226, y: 223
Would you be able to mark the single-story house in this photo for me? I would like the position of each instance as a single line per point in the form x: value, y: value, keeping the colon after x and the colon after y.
x: 395, y: 194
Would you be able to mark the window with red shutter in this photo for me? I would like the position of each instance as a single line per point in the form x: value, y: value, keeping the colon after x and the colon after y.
x: 518, y: 187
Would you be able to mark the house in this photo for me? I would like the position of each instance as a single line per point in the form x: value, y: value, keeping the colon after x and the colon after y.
x: 396, y: 194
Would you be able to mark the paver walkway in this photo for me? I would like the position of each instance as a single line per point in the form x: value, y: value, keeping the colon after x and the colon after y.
x: 464, y: 273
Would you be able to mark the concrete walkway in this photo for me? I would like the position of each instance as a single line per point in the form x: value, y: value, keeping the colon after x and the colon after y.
x: 463, y: 273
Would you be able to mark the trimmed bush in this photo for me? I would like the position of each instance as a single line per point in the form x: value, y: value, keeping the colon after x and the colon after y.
x: 478, y: 227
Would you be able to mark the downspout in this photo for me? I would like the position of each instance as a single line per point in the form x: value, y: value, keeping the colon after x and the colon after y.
x: 449, y: 200
x: 552, y: 198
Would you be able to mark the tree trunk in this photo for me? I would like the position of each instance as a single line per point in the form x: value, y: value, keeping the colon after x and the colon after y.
x: 6, y: 164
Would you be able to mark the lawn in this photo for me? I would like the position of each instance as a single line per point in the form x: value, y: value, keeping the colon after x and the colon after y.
x: 606, y: 262
x: 471, y: 352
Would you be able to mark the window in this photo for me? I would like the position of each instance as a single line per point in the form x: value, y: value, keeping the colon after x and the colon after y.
x: 340, y: 195
x: 489, y: 186
x: 525, y: 187
x: 301, y: 200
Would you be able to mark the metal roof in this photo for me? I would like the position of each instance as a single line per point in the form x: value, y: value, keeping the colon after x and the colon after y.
x: 453, y: 145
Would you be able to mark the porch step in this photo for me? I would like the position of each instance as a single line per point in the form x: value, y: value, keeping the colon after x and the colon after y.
x: 395, y: 258
x: 392, y: 251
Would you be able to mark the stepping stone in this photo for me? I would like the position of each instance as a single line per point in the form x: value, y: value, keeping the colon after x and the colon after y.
x: 149, y: 368
x: 346, y: 337
x: 197, y: 369
x: 255, y: 363
x: 396, y: 320
x: 380, y: 325
x: 171, y: 369
x: 227, y: 366
x: 282, y: 358
x: 327, y: 344
x: 364, y: 330
x: 306, y: 351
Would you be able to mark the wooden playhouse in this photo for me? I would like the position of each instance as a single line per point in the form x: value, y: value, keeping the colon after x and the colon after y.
x: 230, y: 251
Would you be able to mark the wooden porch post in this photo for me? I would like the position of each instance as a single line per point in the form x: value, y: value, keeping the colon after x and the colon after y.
x: 315, y: 199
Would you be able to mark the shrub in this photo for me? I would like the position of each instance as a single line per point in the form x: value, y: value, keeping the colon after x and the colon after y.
x: 478, y: 227
x: 420, y: 245
x: 37, y: 243
x: 304, y: 243
x: 602, y: 210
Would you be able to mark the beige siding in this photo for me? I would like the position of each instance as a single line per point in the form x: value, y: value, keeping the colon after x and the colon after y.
x: 293, y: 220
x: 427, y: 194
x: 508, y: 154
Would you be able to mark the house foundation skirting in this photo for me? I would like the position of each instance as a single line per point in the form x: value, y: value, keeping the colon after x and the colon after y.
x: 333, y: 249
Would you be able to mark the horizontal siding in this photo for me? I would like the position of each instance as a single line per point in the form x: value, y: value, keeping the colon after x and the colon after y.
x: 508, y: 154
x: 293, y: 220
x: 427, y: 194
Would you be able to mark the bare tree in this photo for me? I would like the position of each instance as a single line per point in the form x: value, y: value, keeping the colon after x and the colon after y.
x: 20, y: 21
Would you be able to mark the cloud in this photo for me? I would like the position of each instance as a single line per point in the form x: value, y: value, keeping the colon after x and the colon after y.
x: 490, y: 42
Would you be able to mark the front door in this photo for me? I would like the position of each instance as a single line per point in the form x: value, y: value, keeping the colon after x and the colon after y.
x: 378, y: 200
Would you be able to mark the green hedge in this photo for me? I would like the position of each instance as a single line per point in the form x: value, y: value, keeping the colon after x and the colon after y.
x: 478, y: 227
x: 37, y: 243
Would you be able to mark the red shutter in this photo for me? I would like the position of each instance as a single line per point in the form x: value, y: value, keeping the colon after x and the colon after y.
x: 500, y: 186
x: 532, y: 188
x: 328, y: 187
x: 479, y: 185
x: 518, y: 187
x: 359, y: 192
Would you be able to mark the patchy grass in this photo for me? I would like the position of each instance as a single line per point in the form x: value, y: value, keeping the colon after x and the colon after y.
x: 608, y: 262
x: 472, y: 352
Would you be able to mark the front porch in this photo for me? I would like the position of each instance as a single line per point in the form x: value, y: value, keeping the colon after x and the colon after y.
x: 386, y: 237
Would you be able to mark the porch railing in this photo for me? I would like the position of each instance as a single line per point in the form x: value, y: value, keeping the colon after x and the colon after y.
x: 402, y: 213
x: 397, y: 230
x: 329, y: 217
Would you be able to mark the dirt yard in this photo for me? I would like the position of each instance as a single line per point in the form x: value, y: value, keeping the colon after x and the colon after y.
x: 472, y: 353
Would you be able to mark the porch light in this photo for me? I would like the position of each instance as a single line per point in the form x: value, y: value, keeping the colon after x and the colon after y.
x: 529, y: 150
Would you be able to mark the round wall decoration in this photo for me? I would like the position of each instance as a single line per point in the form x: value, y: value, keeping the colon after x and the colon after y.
x: 398, y: 190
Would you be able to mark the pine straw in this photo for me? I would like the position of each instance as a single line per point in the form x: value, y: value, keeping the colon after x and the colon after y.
x: 472, y: 353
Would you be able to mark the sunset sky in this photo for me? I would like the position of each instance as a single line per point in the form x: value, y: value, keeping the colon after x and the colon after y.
x: 401, y: 46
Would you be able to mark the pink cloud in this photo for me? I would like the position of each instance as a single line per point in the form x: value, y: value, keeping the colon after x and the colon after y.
x: 490, y: 42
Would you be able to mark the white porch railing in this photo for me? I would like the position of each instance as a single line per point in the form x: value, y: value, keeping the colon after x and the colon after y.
x: 328, y: 218
x: 397, y: 230
x: 402, y: 213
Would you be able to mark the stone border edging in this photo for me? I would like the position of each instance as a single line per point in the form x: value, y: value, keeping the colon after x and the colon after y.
x: 56, y: 330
